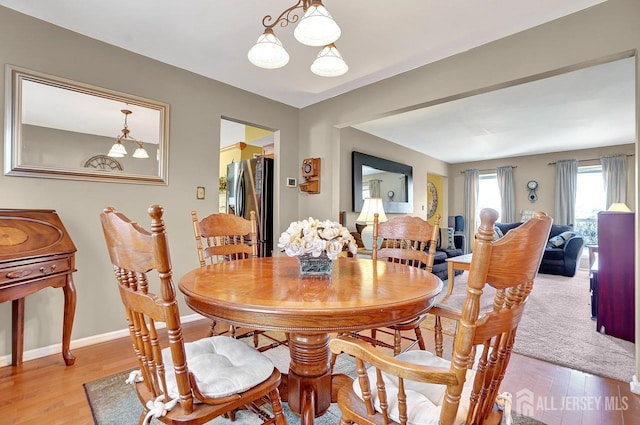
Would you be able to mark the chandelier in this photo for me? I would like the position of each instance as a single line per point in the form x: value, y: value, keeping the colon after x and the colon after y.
x: 118, y: 150
x: 315, y: 28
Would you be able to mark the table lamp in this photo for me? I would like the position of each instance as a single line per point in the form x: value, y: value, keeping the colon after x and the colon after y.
x: 619, y: 207
x: 369, y: 208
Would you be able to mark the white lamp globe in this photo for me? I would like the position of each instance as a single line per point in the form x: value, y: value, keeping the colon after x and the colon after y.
x: 268, y: 52
x: 317, y: 27
x: 329, y: 63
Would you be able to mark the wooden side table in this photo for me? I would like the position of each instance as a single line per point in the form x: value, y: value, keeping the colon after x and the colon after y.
x: 36, y: 252
x: 461, y: 262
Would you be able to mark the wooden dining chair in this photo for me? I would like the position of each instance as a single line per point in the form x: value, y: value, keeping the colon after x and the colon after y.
x: 411, y: 241
x: 180, y: 382
x: 228, y: 237
x: 419, y: 387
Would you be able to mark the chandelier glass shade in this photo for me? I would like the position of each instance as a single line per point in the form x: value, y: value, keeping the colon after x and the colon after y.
x: 329, y: 62
x: 268, y: 52
x: 316, y: 28
x: 118, y: 150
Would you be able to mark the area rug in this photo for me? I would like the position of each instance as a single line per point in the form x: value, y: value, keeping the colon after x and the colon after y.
x: 113, y: 402
x: 556, y: 327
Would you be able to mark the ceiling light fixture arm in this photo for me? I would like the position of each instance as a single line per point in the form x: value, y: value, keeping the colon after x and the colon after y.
x: 118, y: 150
x: 288, y: 16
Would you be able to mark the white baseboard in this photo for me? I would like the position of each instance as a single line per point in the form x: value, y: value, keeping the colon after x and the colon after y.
x: 83, y: 342
x: 634, y: 385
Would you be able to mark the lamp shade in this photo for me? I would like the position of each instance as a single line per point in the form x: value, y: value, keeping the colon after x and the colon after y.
x: 329, y: 63
x: 117, y: 150
x: 140, y: 152
x: 619, y: 206
x: 268, y: 52
x: 317, y: 27
x: 369, y: 208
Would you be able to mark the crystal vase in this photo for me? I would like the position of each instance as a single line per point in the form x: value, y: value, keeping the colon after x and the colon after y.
x: 315, y: 266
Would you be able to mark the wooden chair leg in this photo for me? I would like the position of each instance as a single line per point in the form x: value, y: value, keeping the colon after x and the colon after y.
x: 419, y: 338
x: 373, y: 337
x: 332, y: 362
x: 212, y: 329
x: 437, y: 328
x: 397, y: 342
x: 276, y: 405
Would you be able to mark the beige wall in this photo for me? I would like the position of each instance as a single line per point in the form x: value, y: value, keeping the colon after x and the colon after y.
x: 605, y: 31
x: 536, y: 167
x: 196, y: 106
x: 356, y: 140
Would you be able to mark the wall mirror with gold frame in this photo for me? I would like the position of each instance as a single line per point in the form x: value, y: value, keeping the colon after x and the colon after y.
x: 58, y: 128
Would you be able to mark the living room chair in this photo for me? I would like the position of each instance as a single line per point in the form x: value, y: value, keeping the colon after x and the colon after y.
x: 411, y: 241
x: 419, y: 387
x: 228, y: 237
x: 180, y: 382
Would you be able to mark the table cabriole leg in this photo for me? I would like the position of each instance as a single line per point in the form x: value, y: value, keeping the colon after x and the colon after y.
x: 69, y: 311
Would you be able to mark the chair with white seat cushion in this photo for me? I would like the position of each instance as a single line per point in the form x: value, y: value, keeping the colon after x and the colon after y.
x: 180, y: 382
x: 420, y: 388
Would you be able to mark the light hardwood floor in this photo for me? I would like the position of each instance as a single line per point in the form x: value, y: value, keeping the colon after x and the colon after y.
x: 45, y: 391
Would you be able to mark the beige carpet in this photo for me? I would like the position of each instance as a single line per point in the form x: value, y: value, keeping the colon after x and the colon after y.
x: 557, y: 327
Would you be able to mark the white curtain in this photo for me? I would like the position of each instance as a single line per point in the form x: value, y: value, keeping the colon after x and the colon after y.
x: 403, y: 189
x: 507, y: 190
x: 614, y: 175
x: 471, y: 187
x: 566, y: 186
x: 374, y: 188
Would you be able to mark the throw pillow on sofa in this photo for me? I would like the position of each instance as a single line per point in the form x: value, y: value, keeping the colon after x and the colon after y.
x: 558, y: 241
x: 497, y: 233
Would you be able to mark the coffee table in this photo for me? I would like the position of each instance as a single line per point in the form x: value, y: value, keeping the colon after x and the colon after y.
x: 461, y: 262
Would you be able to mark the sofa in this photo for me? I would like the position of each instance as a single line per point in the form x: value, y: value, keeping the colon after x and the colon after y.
x: 562, y: 253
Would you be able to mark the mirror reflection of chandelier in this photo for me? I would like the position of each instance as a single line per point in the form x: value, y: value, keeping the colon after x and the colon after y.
x: 316, y: 28
x: 118, y: 150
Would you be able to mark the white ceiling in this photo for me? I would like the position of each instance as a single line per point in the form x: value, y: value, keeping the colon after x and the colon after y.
x: 587, y: 108
x: 380, y: 38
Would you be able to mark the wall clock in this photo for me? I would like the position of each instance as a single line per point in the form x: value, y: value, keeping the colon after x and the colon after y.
x: 532, y: 185
x: 103, y: 162
x: 432, y: 199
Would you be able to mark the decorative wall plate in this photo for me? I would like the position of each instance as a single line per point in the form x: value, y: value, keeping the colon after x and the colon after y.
x: 103, y: 162
x: 432, y: 199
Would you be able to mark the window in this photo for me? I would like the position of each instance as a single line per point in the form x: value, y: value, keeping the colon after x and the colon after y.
x: 590, y: 199
x: 489, y: 194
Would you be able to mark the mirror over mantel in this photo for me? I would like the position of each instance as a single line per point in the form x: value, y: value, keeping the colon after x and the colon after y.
x: 58, y: 128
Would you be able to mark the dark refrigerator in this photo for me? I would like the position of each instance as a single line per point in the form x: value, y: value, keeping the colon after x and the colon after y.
x: 250, y: 188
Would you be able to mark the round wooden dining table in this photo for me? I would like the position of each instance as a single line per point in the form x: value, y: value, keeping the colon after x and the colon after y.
x: 270, y: 294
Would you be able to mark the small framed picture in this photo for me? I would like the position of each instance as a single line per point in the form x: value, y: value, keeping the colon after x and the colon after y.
x: 291, y: 182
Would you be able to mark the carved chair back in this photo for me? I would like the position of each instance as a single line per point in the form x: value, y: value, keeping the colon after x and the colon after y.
x: 135, y: 253
x: 406, y: 240
x: 141, y: 260
x: 509, y: 265
x: 225, y: 237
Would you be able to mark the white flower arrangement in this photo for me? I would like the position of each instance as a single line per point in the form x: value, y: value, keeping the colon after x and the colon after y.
x: 315, y: 237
